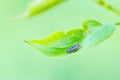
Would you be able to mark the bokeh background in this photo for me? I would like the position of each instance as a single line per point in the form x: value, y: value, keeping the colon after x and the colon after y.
x: 20, y: 61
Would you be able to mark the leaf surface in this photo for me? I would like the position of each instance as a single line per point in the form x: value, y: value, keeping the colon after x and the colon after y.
x: 98, y: 35
x: 58, y: 43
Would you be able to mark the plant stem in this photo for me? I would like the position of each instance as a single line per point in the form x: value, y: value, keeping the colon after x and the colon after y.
x: 107, y: 6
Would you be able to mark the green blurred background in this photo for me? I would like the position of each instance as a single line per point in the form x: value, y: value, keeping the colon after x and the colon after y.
x: 20, y: 61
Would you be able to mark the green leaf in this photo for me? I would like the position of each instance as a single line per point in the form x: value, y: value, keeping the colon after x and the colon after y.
x: 61, y: 43
x: 91, y: 25
x: 41, y: 5
x: 58, y: 43
x: 98, y: 35
x: 37, y: 7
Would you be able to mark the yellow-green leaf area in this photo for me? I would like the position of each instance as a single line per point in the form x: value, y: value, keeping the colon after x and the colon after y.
x: 59, y: 42
x: 91, y: 25
x: 41, y: 5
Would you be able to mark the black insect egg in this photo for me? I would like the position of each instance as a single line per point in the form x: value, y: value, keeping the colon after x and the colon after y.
x: 74, y: 48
